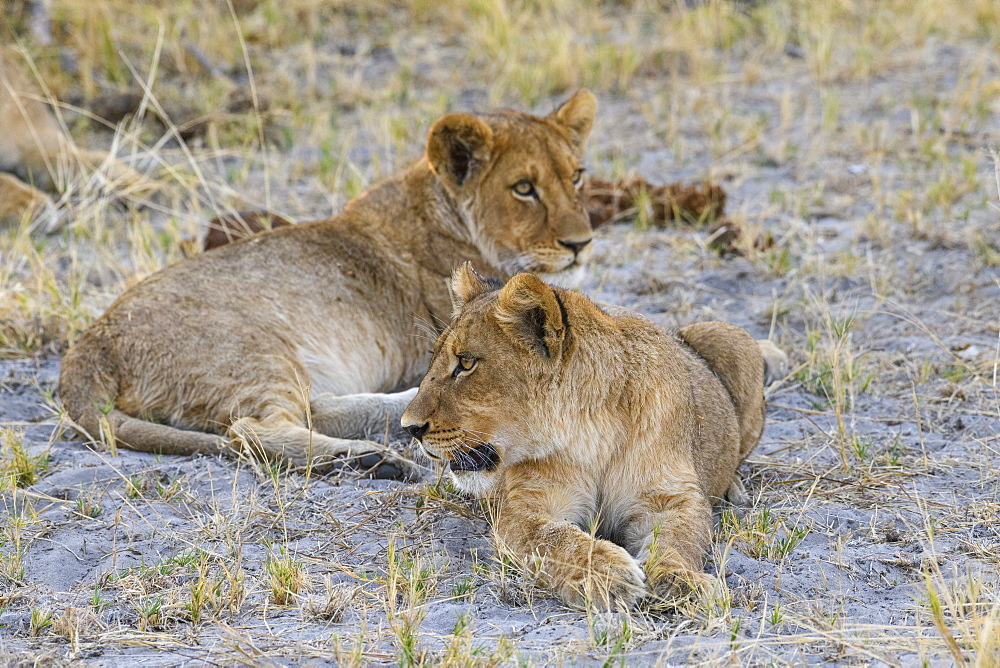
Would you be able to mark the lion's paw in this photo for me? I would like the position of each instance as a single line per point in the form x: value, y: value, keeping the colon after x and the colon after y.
x: 775, y: 362
x: 672, y: 587
x: 737, y: 493
x: 612, y: 579
x: 387, y: 466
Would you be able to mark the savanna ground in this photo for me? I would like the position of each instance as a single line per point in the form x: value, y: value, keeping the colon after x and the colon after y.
x: 855, y: 134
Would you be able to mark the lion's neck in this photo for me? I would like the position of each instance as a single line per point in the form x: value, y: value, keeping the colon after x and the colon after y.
x: 431, y: 232
x: 453, y: 218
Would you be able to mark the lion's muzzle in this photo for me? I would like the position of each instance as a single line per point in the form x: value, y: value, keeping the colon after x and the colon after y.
x: 417, y: 431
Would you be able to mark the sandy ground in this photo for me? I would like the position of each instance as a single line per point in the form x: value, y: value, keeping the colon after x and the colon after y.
x: 874, y: 489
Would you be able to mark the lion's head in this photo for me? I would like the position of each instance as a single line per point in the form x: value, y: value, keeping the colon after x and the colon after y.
x: 491, y: 397
x: 517, y: 180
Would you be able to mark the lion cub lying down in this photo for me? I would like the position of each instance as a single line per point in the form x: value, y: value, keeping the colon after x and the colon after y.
x: 601, y: 439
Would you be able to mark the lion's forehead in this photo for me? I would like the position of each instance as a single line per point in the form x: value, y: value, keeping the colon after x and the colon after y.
x: 545, y: 157
x: 473, y: 339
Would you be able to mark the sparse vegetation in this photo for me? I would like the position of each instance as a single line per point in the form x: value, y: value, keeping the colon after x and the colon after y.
x: 88, y: 505
x: 286, y: 577
x: 850, y: 139
x: 18, y: 467
x: 41, y: 620
x: 762, y: 534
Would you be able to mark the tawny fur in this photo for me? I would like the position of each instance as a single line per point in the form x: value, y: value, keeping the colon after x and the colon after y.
x: 599, y: 422
x: 34, y: 147
x: 309, y: 325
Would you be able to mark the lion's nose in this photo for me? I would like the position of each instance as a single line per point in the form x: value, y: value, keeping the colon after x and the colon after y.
x: 417, y: 431
x: 575, y: 246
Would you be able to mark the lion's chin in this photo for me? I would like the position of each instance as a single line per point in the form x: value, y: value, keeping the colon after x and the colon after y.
x: 474, y: 483
x: 567, y: 279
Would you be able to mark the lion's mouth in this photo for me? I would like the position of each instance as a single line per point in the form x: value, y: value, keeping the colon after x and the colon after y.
x: 480, y: 458
x: 553, y: 267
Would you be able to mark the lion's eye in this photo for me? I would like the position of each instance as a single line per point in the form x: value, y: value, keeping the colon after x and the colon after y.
x: 524, y: 188
x: 465, y: 363
x: 578, y: 177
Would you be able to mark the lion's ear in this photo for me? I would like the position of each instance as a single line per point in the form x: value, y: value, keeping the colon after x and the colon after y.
x: 577, y: 116
x: 466, y: 284
x: 531, y: 313
x: 458, y: 146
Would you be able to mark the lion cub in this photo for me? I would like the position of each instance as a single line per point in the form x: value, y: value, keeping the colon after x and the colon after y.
x: 601, y: 440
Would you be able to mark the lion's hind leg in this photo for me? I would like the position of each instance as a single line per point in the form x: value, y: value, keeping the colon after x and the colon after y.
x: 733, y: 355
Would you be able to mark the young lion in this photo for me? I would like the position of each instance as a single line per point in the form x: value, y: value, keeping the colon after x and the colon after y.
x: 573, y: 420
x: 285, y: 342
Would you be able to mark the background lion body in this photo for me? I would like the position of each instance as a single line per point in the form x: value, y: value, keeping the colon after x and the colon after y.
x: 608, y: 431
x: 262, y: 339
x: 30, y: 140
x: 34, y: 147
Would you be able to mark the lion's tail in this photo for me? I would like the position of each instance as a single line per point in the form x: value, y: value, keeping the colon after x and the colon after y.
x: 88, y: 389
x: 733, y: 355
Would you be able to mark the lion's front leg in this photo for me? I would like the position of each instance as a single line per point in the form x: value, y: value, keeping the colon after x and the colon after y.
x: 372, y: 416
x: 671, y: 537
x: 580, y: 569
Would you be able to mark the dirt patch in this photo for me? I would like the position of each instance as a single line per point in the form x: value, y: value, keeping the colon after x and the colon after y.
x: 635, y: 197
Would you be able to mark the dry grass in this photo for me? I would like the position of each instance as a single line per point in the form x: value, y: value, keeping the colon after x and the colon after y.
x: 851, y: 133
